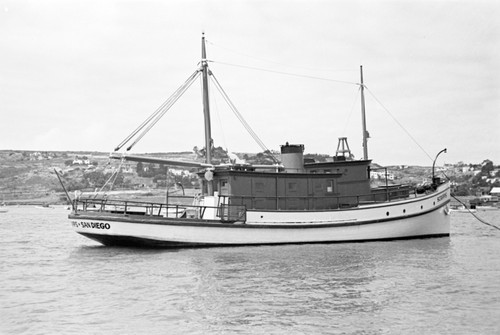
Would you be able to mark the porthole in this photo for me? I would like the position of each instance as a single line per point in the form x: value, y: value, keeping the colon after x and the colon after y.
x: 434, y: 203
x: 387, y: 213
x: 404, y: 210
x: 421, y: 207
x: 262, y: 216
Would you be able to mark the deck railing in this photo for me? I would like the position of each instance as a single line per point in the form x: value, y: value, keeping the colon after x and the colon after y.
x: 379, y: 195
x: 224, y: 212
x: 233, y: 208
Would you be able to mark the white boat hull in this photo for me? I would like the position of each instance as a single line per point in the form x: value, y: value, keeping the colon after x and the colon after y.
x: 426, y: 216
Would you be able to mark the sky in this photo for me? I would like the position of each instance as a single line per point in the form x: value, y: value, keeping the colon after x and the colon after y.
x: 82, y: 75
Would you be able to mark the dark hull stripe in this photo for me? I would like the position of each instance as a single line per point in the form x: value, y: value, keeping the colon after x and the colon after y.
x: 136, y: 242
x: 101, y: 216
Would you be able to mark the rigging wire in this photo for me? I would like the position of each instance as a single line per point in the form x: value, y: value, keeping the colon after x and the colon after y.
x: 352, y: 109
x: 213, y: 98
x: 474, y: 215
x: 470, y: 212
x: 111, y: 179
x: 274, y: 62
x: 242, y: 120
x: 147, y: 120
x: 398, y: 123
x: 164, y: 105
x: 285, y: 73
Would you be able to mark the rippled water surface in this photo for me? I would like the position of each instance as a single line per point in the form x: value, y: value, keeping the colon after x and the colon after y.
x: 54, y: 281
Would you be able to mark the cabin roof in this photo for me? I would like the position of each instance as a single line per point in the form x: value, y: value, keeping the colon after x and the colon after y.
x: 337, y: 164
x: 243, y: 173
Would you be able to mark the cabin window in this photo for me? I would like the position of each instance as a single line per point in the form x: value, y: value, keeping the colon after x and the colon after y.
x: 224, y: 186
x: 318, y: 187
x: 329, y: 186
x: 259, y: 187
x: 327, y: 171
x: 292, y: 187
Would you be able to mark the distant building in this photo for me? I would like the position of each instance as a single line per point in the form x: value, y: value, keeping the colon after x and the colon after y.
x: 466, y: 169
x: 495, y: 191
x: 381, y: 175
x: 81, y: 160
x: 493, y: 180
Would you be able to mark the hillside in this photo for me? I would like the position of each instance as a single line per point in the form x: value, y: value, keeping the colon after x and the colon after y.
x: 27, y: 177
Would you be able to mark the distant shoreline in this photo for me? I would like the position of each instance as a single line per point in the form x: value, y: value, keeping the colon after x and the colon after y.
x: 58, y: 198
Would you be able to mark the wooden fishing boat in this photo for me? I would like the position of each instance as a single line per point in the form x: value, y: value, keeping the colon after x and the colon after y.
x: 292, y: 201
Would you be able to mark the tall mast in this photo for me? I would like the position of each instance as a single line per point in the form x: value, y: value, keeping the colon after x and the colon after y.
x: 206, y: 105
x: 206, y: 113
x: 363, y: 117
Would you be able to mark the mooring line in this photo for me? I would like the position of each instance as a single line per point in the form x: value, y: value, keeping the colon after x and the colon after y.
x: 473, y: 214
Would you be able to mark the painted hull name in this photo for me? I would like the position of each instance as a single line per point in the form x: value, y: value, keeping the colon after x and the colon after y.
x: 90, y: 224
x: 442, y: 196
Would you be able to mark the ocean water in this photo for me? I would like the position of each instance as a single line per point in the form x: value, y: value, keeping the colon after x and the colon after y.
x: 54, y: 281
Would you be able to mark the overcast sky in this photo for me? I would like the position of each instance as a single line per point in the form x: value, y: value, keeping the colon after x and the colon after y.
x: 82, y: 75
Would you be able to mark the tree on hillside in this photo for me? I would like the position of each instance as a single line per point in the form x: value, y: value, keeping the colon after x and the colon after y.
x: 487, y: 167
x: 139, y: 168
x: 99, y: 179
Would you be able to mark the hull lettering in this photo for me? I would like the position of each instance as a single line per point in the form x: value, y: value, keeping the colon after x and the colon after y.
x: 442, y: 196
x: 90, y: 225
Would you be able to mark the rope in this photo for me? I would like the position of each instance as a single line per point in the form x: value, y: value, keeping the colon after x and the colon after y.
x: 351, y: 111
x: 274, y: 62
x: 242, y: 120
x: 286, y: 73
x: 171, y: 101
x: 215, y: 109
x: 465, y: 206
x: 399, y: 124
x: 474, y: 215
x: 160, y: 111
x: 113, y: 176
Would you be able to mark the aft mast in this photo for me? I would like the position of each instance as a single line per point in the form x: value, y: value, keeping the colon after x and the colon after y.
x: 363, y: 117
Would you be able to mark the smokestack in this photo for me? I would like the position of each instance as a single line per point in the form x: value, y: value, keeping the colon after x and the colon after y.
x: 292, y: 157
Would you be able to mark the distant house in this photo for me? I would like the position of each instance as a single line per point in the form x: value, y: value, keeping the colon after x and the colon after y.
x: 127, y: 168
x: 381, y: 175
x: 476, y: 172
x: 467, y: 170
x: 81, y: 160
x: 493, y: 180
x: 483, y: 190
x: 36, y: 156
x: 495, y: 191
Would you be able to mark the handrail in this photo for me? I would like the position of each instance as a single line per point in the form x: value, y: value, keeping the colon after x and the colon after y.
x: 226, y: 212
x: 240, y: 203
x: 386, y: 194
